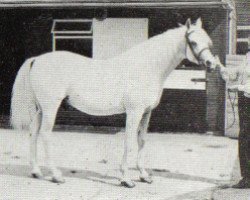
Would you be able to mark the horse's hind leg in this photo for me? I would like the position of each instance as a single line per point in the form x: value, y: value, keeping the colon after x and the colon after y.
x: 144, y: 177
x: 132, y: 124
x: 34, y: 132
x: 48, y: 120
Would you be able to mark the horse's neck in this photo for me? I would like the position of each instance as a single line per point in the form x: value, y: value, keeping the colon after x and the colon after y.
x: 168, y: 51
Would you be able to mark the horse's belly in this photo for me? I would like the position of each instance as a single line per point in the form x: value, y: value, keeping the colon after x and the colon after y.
x: 98, y: 105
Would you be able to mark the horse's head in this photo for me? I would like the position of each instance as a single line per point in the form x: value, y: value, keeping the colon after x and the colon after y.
x: 198, y: 45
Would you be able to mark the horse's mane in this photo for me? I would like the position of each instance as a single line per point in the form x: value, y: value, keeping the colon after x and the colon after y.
x: 153, y: 44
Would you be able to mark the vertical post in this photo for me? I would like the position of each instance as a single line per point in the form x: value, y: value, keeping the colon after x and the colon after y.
x: 232, y: 27
x: 54, y: 42
x: 215, y: 85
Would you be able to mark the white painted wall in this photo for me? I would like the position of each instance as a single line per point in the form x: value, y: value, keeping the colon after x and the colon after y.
x: 113, y: 36
x: 182, y: 79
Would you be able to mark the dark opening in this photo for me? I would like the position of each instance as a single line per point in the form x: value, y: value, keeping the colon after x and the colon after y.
x: 73, y: 26
x: 80, y: 46
x: 242, y: 48
x: 12, y: 54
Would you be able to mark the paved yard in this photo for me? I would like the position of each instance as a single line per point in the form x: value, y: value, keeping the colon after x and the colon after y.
x: 184, y: 166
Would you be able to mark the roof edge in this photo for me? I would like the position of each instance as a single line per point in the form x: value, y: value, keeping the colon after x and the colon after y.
x: 146, y: 4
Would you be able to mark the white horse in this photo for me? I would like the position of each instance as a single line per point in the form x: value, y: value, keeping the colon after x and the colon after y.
x: 130, y: 83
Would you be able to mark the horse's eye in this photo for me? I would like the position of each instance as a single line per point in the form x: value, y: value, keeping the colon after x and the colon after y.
x: 194, y: 44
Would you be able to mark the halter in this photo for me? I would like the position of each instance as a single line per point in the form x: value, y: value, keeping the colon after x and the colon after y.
x: 196, y: 55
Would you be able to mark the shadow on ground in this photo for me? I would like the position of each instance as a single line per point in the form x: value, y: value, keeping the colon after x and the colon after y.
x: 24, y: 171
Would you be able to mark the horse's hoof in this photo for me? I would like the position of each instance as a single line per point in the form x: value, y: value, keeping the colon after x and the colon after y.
x: 146, y: 180
x: 128, y: 184
x: 37, y: 175
x: 58, y: 180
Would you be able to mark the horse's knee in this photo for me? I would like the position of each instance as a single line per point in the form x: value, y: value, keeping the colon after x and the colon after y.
x: 141, y: 143
x: 129, y: 149
x: 141, y: 140
x: 33, y: 135
x: 47, y: 124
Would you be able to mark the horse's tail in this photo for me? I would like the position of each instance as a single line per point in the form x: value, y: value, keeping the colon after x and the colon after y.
x: 23, y: 103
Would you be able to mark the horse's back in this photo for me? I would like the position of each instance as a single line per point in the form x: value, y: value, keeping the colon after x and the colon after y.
x: 51, y: 73
x: 99, y: 86
x: 61, y: 60
x: 93, y: 86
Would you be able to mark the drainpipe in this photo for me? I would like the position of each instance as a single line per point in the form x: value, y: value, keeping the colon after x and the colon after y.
x: 232, y: 26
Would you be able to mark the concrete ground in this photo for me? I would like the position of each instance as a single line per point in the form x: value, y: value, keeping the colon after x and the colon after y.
x: 230, y: 193
x: 184, y: 167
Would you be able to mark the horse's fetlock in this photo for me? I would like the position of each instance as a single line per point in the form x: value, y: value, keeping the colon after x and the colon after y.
x: 123, y: 168
x: 141, y: 143
x: 130, y: 150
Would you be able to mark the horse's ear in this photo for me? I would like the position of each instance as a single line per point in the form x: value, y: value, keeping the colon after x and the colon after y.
x: 188, y: 23
x: 180, y: 25
x: 198, y: 22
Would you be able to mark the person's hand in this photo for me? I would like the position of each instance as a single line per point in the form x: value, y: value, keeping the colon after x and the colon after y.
x: 233, y: 88
x: 247, y: 95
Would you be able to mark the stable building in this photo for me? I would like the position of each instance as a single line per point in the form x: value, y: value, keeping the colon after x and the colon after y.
x: 193, y: 99
x: 243, y: 25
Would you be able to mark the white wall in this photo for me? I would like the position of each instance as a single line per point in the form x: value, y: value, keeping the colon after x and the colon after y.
x: 113, y: 36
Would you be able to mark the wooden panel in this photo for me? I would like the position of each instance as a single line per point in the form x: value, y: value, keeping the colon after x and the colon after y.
x: 180, y: 110
x: 182, y: 79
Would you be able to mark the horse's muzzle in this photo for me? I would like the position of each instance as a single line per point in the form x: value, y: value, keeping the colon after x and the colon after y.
x: 210, y: 66
x: 209, y: 70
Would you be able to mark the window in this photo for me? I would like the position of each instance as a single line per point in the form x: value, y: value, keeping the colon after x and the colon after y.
x: 73, y: 35
x: 243, y: 34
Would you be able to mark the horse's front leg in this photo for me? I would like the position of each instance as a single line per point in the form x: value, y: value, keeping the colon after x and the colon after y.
x: 144, y: 177
x: 132, y: 124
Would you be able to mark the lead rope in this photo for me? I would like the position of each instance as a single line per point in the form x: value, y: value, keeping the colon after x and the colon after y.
x: 232, y: 103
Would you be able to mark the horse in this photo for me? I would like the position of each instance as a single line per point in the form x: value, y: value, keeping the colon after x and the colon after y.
x: 130, y: 83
